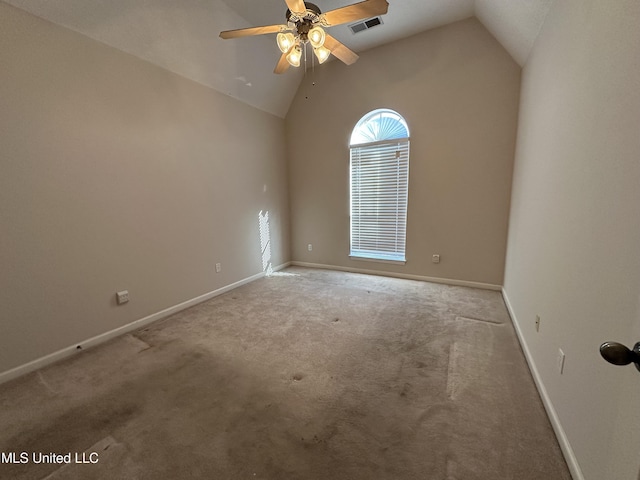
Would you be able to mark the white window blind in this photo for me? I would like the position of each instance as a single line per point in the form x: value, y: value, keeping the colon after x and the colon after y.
x: 379, y: 191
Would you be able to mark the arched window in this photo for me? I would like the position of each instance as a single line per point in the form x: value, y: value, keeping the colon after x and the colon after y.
x: 379, y: 178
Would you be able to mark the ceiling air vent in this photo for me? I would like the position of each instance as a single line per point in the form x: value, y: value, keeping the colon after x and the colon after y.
x: 366, y: 25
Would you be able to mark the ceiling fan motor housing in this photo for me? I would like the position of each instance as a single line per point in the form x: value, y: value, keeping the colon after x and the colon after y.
x: 303, y: 23
x: 311, y: 15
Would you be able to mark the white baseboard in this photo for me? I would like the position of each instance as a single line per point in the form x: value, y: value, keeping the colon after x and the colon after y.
x: 446, y: 281
x: 103, y: 337
x: 567, y: 451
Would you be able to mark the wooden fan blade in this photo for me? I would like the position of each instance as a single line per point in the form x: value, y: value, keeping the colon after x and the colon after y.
x: 339, y: 50
x: 282, y: 65
x: 246, y: 32
x: 296, y: 6
x: 357, y: 11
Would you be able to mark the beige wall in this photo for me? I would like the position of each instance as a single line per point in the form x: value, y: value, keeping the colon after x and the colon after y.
x: 458, y: 89
x: 574, y: 238
x: 116, y: 174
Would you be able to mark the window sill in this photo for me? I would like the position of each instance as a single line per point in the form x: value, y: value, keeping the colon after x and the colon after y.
x: 377, y: 260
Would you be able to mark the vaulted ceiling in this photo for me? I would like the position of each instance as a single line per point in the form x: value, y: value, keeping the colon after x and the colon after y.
x: 182, y: 35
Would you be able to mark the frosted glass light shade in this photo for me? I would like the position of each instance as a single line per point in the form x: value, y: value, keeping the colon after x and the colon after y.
x: 322, y: 53
x: 285, y: 41
x: 316, y: 37
x: 294, y: 56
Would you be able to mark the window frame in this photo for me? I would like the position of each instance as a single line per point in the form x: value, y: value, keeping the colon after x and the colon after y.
x: 386, y: 227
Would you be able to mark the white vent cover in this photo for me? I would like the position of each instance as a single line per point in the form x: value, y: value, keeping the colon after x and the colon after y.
x: 365, y: 25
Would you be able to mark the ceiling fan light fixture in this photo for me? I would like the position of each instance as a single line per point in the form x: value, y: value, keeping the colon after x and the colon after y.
x: 322, y: 53
x: 294, y: 56
x: 316, y: 37
x: 285, y: 41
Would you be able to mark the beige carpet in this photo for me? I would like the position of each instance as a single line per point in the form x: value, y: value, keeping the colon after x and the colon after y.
x: 308, y: 374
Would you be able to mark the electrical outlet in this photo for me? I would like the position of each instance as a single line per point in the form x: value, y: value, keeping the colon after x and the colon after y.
x: 122, y: 297
x: 310, y: 247
x: 218, y: 267
x: 537, y: 323
x: 561, y: 357
x: 435, y: 258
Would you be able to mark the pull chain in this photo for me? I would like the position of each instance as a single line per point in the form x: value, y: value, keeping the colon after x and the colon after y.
x: 313, y: 69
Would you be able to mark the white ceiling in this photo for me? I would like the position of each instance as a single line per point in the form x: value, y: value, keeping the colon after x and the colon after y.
x: 182, y: 35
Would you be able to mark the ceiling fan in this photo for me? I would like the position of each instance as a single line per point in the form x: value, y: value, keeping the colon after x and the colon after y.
x: 304, y: 26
